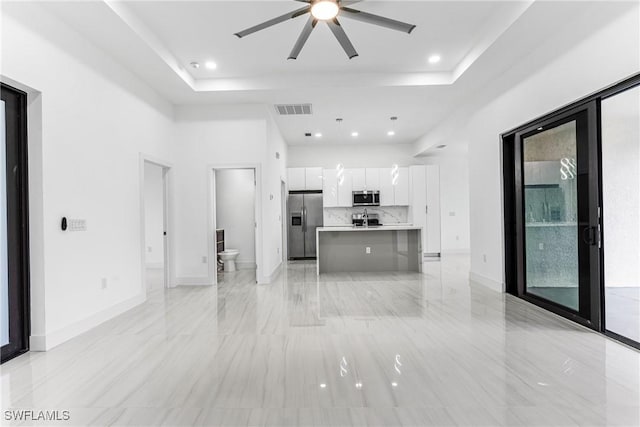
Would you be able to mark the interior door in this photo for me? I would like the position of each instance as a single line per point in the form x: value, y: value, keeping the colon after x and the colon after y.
x: 558, y: 214
x: 313, y: 220
x: 14, y: 250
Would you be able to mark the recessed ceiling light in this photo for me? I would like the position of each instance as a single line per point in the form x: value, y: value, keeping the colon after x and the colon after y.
x: 323, y: 385
x: 540, y: 128
x: 318, y: 135
x: 434, y: 59
x: 440, y: 146
x: 210, y: 65
x: 195, y: 65
x: 391, y: 133
x: 325, y: 9
x: 354, y: 134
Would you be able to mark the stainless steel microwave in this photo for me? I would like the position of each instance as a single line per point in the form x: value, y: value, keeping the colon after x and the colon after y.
x: 366, y: 198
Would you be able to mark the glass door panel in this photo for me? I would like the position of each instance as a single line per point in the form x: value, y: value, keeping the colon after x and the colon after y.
x: 621, y: 212
x: 550, y: 203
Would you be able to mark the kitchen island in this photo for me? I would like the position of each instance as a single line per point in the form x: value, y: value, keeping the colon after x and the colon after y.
x: 369, y: 249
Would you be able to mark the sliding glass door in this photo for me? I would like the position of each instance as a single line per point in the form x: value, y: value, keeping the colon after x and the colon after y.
x: 14, y: 237
x: 556, y: 197
x: 572, y: 211
x: 620, y: 115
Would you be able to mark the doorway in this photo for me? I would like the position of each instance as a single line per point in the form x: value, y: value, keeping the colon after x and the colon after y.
x: 571, y: 183
x: 235, y: 223
x: 155, y: 221
x: 14, y: 224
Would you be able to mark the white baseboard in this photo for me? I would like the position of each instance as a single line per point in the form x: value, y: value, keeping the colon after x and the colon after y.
x: 486, y: 282
x: 456, y: 252
x: 53, y: 339
x: 265, y: 280
x: 193, y: 281
x: 154, y: 265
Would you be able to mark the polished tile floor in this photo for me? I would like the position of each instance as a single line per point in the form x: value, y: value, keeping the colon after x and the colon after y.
x: 348, y: 349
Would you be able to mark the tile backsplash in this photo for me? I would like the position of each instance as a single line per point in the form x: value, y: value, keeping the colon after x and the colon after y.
x: 387, y: 214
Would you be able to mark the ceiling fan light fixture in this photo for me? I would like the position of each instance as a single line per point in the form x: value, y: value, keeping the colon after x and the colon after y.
x: 325, y: 10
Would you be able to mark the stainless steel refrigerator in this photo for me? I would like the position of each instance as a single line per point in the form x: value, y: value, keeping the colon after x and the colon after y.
x: 304, y: 216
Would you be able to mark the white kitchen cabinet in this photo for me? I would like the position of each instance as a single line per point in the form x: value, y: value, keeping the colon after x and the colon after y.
x: 313, y: 179
x: 394, y: 193
x: 401, y: 188
x: 345, y: 188
x: 433, y: 246
x: 424, y: 205
x: 358, y: 179
x: 330, y: 188
x: 386, y: 187
x: 296, y: 179
x: 372, y: 176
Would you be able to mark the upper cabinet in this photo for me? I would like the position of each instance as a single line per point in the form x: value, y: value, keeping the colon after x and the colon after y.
x: 330, y: 189
x: 300, y: 179
x: 358, y: 179
x: 313, y: 179
x: 372, y: 176
x: 296, y: 179
x: 394, y: 186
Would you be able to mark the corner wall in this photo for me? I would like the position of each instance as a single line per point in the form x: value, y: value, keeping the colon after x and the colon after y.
x: 89, y: 118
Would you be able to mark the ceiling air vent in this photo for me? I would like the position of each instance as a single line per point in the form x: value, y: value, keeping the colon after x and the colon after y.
x: 293, y: 109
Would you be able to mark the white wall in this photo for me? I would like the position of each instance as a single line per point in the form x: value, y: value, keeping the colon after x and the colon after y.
x: 234, y: 136
x: 544, y: 80
x: 351, y: 155
x: 84, y: 146
x: 454, y: 202
x: 153, y: 215
x: 235, y: 212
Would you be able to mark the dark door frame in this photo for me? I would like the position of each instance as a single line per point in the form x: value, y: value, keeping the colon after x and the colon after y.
x: 18, y: 231
x: 513, y: 231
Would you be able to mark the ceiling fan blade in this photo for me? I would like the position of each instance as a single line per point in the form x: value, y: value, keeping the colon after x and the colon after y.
x: 273, y: 21
x: 302, y: 39
x: 338, y: 31
x: 370, y: 18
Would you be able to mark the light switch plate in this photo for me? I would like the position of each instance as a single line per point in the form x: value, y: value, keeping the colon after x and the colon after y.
x: 76, y: 224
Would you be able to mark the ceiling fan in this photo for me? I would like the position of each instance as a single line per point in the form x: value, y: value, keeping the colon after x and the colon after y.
x: 328, y: 11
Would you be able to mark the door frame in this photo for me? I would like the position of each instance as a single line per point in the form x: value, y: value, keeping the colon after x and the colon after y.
x: 512, y: 229
x: 212, y: 250
x: 167, y: 218
x: 24, y: 252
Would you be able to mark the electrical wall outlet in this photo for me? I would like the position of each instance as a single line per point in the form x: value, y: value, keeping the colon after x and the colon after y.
x: 103, y: 283
x: 149, y: 249
x: 367, y: 250
x: 484, y: 257
x: 541, y: 246
x: 204, y: 259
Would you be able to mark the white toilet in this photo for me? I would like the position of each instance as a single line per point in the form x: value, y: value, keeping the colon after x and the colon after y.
x: 228, y: 257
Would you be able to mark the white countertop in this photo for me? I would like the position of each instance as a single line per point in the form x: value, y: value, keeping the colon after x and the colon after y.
x: 380, y: 228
